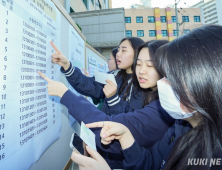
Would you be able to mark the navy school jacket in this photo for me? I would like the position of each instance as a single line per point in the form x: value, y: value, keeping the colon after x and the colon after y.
x: 147, y: 125
x: 137, y: 157
x: 89, y: 87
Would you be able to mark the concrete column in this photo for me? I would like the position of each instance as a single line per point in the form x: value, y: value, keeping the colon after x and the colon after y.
x: 67, y: 5
x: 88, y: 4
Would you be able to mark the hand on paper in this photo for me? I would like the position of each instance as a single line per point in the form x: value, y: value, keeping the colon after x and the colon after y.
x: 55, y: 88
x: 85, y: 72
x: 59, y: 58
x: 113, y: 130
x: 110, y: 89
x: 86, y: 163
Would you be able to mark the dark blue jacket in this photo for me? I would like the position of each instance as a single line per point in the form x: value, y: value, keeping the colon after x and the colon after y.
x: 89, y: 87
x: 147, y: 125
x: 137, y: 157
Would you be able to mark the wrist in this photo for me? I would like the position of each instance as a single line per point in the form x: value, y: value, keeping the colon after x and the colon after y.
x: 126, y: 140
x: 62, y: 91
x: 66, y: 66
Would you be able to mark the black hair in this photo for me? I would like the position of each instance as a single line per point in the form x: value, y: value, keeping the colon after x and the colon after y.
x: 114, y: 52
x: 193, y: 62
x: 152, y: 46
x: 135, y: 42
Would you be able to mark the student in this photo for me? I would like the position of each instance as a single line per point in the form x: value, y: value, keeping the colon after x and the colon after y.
x: 112, y: 65
x: 192, y: 65
x: 118, y: 99
x: 152, y: 120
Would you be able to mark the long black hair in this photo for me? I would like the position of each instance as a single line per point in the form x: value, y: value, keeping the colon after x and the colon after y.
x: 152, y: 46
x: 194, y: 63
x: 135, y: 42
x: 114, y: 52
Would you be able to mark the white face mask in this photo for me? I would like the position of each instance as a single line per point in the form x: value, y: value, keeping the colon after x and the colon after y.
x: 169, y: 101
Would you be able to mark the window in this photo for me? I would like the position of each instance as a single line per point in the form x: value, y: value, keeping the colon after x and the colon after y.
x: 196, y: 18
x: 127, y: 19
x: 100, y: 7
x: 128, y: 33
x: 174, y: 19
x: 151, y: 19
x: 152, y: 33
x: 186, y: 31
x: 163, y: 19
x: 164, y: 33
x: 85, y: 2
x: 140, y: 33
x: 139, y: 19
x: 174, y: 32
x: 71, y: 10
x: 185, y: 18
x: 92, y: 2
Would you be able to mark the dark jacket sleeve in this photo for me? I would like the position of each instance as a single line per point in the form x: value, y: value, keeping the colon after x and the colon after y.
x: 137, y: 157
x: 116, y: 105
x: 82, y: 84
x: 147, y: 125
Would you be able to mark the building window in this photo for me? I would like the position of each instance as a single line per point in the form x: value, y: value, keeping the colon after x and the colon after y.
x: 100, y: 7
x: 163, y: 19
x: 139, y: 19
x: 174, y: 19
x: 140, y: 33
x: 85, y: 2
x: 92, y: 2
x: 127, y: 19
x: 196, y: 18
x: 128, y: 33
x: 174, y: 32
x: 164, y: 33
x: 71, y: 10
x: 185, y: 18
x: 152, y: 33
x: 186, y: 31
x: 151, y: 19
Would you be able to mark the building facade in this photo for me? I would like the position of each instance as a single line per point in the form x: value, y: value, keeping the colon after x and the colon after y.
x: 103, y: 29
x: 160, y: 23
x: 85, y: 5
x: 212, y: 11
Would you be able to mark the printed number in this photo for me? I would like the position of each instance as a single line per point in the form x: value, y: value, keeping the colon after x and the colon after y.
x: 2, y: 156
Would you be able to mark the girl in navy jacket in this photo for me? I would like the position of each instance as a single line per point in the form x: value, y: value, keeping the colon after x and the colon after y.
x: 118, y: 99
x: 192, y: 65
x: 151, y: 120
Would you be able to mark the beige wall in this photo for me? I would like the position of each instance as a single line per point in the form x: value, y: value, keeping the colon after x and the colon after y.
x: 133, y: 13
x: 110, y: 4
x: 62, y: 2
x: 79, y: 6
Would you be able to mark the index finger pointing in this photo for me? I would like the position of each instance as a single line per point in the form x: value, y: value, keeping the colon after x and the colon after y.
x: 54, y: 46
x: 94, y: 125
x: 44, y: 77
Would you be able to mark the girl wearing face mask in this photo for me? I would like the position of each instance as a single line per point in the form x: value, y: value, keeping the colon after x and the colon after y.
x: 118, y: 99
x: 152, y: 120
x: 192, y: 95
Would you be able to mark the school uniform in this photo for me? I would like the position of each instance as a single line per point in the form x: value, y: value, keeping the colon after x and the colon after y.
x: 89, y: 87
x: 137, y: 157
x: 147, y: 125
